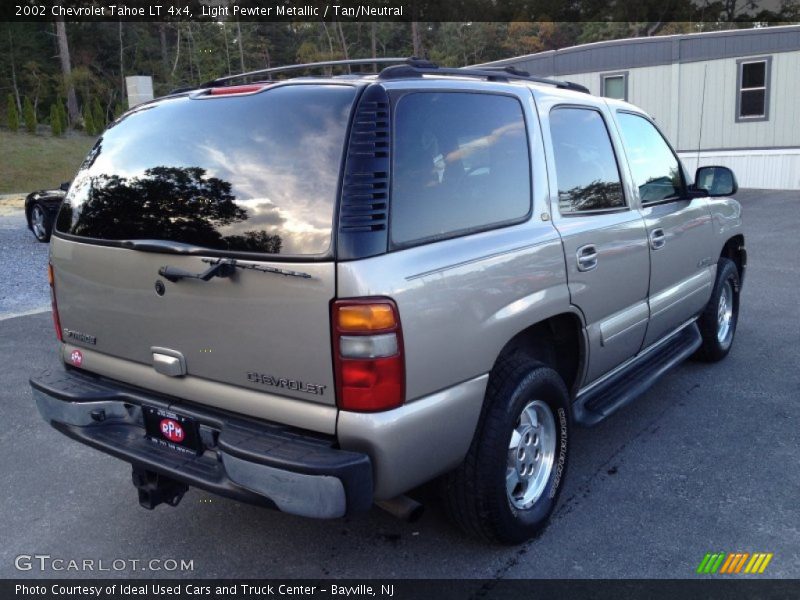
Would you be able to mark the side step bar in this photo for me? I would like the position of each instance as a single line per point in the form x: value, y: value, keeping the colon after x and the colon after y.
x: 631, y: 382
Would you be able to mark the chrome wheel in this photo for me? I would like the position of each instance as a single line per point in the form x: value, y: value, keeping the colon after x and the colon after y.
x: 725, y: 313
x: 531, y: 453
x: 38, y: 222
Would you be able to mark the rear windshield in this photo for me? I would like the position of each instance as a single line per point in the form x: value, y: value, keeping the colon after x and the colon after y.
x: 255, y: 173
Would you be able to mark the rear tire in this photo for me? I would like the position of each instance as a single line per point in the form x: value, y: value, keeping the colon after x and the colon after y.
x: 508, y: 484
x: 39, y: 221
x: 718, y: 321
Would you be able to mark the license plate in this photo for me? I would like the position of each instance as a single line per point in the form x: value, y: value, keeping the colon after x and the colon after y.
x: 171, y: 430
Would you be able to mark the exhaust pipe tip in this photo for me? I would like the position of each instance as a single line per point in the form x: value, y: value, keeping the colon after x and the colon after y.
x: 402, y: 507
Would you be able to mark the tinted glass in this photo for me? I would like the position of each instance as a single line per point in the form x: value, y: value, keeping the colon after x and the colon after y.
x: 255, y: 173
x: 752, y: 103
x: 586, y: 169
x: 614, y: 87
x: 754, y: 74
x: 655, y: 169
x: 460, y: 162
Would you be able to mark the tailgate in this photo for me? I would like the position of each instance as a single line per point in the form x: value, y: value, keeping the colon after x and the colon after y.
x: 246, y: 178
x: 255, y: 329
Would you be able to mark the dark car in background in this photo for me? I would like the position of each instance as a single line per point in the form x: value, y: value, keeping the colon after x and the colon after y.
x: 41, y: 208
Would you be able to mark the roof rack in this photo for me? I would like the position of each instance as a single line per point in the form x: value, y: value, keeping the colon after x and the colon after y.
x: 413, y: 62
x: 416, y: 69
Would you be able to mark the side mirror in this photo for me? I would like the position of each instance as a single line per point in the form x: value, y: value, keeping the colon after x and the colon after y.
x: 64, y: 186
x: 717, y: 181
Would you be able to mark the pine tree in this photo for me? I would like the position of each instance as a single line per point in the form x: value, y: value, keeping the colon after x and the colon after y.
x: 88, y: 120
x: 62, y: 115
x: 118, y: 110
x: 13, y: 115
x: 98, y: 117
x: 29, y: 115
x: 55, y: 120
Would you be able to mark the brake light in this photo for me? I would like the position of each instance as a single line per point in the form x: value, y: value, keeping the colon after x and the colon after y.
x: 56, y: 320
x: 235, y: 89
x: 368, y: 354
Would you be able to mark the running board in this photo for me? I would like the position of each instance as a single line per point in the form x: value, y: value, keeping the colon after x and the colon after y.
x: 606, y: 398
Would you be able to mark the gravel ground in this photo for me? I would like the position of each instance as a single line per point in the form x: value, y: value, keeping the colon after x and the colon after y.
x: 23, y: 264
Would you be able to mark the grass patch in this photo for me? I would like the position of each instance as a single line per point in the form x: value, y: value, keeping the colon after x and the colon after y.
x: 33, y: 162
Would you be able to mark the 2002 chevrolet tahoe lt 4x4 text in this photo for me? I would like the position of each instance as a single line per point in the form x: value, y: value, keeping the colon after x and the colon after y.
x: 322, y: 292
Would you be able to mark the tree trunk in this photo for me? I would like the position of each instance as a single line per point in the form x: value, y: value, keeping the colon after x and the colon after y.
x: 177, y: 49
x: 66, y: 71
x: 344, y: 43
x: 227, y: 52
x: 416, y: 40
x: 373, y: 39
x: 241, y: 45
x: 14, y: 72
x: 162, y: 35
x: 121, y: 64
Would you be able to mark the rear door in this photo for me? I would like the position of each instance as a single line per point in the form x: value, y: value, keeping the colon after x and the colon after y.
x: 179, y: 185
x: 679, y: 228
x: 604, y: 236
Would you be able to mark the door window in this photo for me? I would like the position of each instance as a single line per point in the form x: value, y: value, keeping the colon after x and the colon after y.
x: 656, y: 171
x: 586, y: 167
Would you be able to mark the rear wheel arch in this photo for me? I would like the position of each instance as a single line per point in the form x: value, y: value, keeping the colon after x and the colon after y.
x: 557, y: 341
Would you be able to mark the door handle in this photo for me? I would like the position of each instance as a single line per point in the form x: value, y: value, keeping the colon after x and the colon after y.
x: 587, y: 257
x: 657, y: 239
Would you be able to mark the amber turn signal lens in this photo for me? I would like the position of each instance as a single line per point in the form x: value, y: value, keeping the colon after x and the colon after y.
x: 365, y: 317
x: 50, y: 277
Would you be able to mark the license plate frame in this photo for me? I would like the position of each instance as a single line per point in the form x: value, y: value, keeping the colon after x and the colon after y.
x: 179, y: 434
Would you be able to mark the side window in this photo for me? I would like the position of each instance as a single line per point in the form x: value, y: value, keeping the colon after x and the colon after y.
x: 460, y: 162
x: 586, y: 168
x: 656, y: 170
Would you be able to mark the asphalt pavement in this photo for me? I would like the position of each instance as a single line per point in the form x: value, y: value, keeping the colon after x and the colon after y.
x: 707, y: 461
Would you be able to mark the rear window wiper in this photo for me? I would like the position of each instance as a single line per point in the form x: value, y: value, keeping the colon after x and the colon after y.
x: 223, y: 267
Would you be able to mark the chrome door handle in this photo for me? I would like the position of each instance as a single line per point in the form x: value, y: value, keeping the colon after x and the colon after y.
x: 587, y: 257
x: 657, y: 239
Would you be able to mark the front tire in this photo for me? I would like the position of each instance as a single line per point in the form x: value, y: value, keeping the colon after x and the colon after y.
x: 721, y: 315
x: 40, y: 223
x: 509, y: 482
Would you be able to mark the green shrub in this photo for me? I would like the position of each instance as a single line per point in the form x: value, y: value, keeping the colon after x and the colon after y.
x: 13, y: 114
x: 98, y: 116
x: 88, y: 119
x: 29, y: 115
x: 55, y: 120
x: 62, y: 114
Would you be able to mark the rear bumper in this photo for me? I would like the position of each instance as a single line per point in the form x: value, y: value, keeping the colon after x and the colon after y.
x: 262, y: 463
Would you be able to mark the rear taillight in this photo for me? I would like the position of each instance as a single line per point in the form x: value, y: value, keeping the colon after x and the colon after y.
x: 368, y: 354
x: 56, y: 321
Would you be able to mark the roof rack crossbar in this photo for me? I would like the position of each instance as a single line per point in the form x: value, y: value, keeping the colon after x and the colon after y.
x: 413, y: 61
x: 490, y: 73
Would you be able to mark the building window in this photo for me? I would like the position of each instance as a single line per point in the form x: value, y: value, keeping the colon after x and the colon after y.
x: 614, y: 85
x: 752, y: 93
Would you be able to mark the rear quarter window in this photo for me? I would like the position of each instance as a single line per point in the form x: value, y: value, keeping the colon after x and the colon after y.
x: 256, y: 173
x: 461, y: 163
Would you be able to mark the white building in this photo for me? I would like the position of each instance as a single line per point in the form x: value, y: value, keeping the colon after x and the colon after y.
x: 734, y: 95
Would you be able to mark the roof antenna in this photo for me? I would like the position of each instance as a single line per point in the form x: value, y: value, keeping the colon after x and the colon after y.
x: 702, y: 109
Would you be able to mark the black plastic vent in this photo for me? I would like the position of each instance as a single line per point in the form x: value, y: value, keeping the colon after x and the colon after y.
x: 363, y: 212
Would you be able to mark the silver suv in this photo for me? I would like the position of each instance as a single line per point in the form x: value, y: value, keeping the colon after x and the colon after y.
x: 319, y: 293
